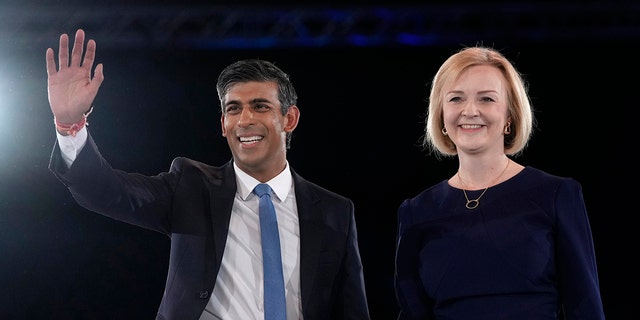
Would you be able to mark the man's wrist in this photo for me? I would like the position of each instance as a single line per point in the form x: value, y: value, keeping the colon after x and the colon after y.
x: 72, y: 129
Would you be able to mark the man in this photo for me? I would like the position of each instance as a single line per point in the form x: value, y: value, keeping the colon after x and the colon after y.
x: 210, y: 213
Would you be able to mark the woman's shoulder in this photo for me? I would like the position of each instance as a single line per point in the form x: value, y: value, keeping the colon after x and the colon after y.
x: 535, y: 181
x: 426, y: 201
x: 434, y: 191
x: 535, y: 174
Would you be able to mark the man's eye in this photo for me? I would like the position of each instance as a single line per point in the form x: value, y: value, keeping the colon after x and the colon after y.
x: 232, y: 109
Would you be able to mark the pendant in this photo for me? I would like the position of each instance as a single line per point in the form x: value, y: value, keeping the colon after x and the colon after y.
x: 472, y: 204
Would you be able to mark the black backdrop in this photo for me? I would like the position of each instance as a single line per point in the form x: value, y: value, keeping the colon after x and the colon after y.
x: 361, y: 122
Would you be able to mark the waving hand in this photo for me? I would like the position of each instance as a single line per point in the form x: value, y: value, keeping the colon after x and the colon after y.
x: 71, y: 88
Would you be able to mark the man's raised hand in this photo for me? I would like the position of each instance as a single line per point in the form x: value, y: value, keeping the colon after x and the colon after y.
x: 71, y: 88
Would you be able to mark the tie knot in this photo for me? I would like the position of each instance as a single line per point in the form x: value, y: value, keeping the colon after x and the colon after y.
x: 262, y: 189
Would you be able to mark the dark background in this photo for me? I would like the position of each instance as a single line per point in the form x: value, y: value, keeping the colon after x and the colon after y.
x: 362, y: 71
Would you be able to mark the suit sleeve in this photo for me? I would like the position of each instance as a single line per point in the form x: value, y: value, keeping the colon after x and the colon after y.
x: 129, y: 197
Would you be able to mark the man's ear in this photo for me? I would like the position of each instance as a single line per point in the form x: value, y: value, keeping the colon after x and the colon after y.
x: 291, y: 118
x: 224, y: 129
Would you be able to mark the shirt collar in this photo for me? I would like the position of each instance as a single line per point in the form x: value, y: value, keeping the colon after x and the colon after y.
x: 280, y: 184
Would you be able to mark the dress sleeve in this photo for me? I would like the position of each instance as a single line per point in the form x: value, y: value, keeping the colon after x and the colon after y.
x: 412, y: 299
x: 576, y: 261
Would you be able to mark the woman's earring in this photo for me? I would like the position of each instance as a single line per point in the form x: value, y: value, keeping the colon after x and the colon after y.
x: 444, y: 131
x: 507, y: 128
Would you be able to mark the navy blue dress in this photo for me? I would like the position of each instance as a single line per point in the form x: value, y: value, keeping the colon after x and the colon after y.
x: 526, y: 252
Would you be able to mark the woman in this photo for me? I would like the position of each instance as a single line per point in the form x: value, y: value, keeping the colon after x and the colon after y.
x: 497, y: 240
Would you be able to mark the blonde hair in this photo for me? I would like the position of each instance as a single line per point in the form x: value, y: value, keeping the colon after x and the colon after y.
x: 519, y: 105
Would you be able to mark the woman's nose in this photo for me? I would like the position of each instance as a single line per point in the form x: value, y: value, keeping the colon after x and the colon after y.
x: 470, y: 109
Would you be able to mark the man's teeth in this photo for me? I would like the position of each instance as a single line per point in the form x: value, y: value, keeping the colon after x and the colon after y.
x: 251, y: 139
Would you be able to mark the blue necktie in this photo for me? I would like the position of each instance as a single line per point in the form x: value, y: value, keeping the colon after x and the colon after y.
x: 275, y: 307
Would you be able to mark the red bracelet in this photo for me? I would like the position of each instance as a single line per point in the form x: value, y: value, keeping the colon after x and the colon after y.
x: 73, y: 128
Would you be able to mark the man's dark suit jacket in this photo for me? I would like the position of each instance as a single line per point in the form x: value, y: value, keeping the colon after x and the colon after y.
x: 192, y: 205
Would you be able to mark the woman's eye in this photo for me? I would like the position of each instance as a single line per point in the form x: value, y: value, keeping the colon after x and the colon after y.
x: 486, y: 99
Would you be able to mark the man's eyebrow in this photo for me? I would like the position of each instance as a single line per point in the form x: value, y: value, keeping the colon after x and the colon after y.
x: 259, y: 100
x: 252, y: 101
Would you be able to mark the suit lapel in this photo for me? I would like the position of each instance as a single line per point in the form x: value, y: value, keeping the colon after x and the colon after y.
x: 222, y: 190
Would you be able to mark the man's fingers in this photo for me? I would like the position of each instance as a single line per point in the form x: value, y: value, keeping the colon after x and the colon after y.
x: 78, y: 47
x: 90, y: 54
x: 51, y: 64
x: 98, y: 77
x: 63, y: 51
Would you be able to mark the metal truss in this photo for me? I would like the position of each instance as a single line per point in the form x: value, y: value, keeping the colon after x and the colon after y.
x: 218, y: 27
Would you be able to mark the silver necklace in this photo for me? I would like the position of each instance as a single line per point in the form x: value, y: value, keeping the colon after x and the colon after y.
x: 474, y: 203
